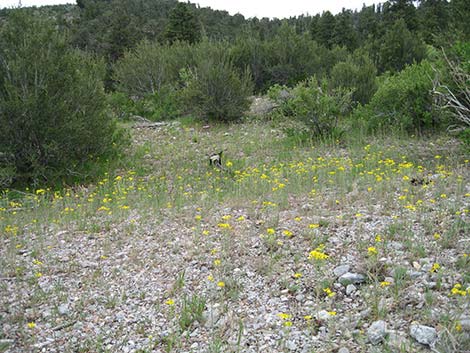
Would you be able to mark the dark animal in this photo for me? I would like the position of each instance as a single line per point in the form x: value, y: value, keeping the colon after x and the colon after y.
x: 419, y: 181
x: 215, y: 159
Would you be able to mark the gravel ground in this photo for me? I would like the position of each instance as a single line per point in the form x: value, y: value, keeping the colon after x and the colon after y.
x: 125, y: 287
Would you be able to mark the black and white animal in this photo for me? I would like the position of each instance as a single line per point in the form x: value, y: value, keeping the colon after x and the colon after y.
x: 215, y: 160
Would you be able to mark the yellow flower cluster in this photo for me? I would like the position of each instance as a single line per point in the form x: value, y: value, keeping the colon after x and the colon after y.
x: 318, y: 254
x: 457, y: 290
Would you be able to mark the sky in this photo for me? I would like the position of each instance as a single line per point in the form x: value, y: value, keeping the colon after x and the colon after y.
x: 248, y: 8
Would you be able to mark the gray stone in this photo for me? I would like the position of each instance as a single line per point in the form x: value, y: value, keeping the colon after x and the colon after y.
x: 63, y: 309
x: 195, y: 345
x: 350, y: 289
x: 341, y: 270
x: 423, y: 334
x: 323, y: 315
x: 343, y: 350
x: 377, y: 332
x: 291, y: 345
x: 120, y: 316
x: 414, y: 274
x: 262, y: 106
x: 351, y: 278
x: 299, y: 297
x: 211, y: 316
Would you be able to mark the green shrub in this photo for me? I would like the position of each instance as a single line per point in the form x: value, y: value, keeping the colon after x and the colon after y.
x: 402, y: 102
x: 358, y: 74
x: 52, y: 103
x: 165, y: 104
x: 314, y: 104
x: 150, y: 67
x: 214, y: 88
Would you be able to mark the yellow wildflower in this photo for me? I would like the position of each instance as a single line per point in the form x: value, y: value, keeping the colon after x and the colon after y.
x: 224, y: 226
x: 284, y: 316
x: 287, y: 233
x: 318, y: 254
x: 435, y: 267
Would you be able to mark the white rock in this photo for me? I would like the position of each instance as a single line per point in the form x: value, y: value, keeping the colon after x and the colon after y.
x: 423, y: 334
x: 323, y: 315
x: 351, y: 278
x: 291, y: 345
x: 341, y: 270
x: 377, y: 332
x: 63, y: 309
x: 350, y: 289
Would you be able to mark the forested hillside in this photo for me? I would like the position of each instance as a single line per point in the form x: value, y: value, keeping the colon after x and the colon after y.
x: 393, y: 33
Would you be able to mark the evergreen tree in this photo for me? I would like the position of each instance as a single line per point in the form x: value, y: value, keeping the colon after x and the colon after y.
x: 460, y: 14
x: 433, y: 18
x: 344, y: 32
x: 401, y: 9
x: 314, y: 27
x: 182, y: 25
x: 368, y: 23
x: 326, y: 28
x: 399, y: 48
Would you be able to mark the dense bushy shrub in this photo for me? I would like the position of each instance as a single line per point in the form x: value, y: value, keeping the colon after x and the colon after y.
x: 313, y: 103
x: 52, y: 103
x: 249, y: 51
x: 150, y: 67
x: 214, y: 88
x: 150, y: 74
x: 286, y: 59
x: 358, y: 73
x: 403, y: 101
